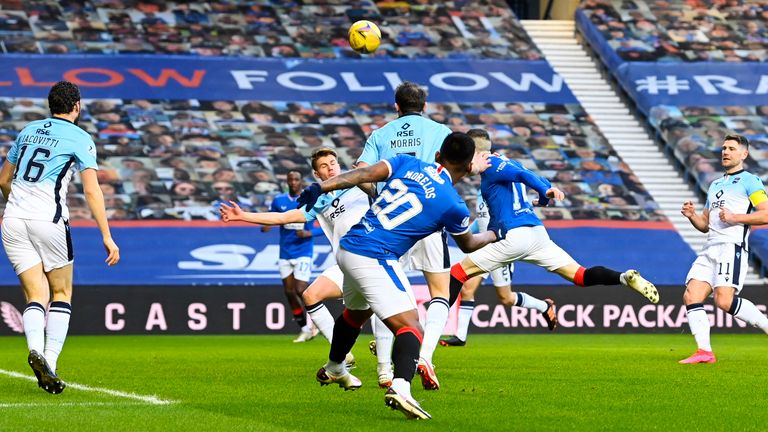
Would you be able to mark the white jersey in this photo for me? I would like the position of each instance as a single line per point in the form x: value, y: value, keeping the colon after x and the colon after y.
x: 43, y: 154
x: 740, y: 193
x: 482, y: 217
x: 337, y: 211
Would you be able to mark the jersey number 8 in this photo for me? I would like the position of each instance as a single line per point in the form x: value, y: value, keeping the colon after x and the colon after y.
x: 394, y: 201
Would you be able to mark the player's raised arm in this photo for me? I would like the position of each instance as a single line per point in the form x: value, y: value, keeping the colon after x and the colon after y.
x: 235, y: 213
x: 699, y: 221
x: 469, y: 242
x: 508, y: 172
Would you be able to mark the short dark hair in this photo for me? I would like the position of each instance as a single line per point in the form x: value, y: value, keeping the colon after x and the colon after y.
x: 741, y: 139
x: 410, y: 97
x: 63, y: 97
x: 458, y: 148
x: 321, y: 152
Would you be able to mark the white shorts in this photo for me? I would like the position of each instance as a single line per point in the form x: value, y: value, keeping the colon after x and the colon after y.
x: 380, y: 285
x: 300, y: 267
x: 429, y: 254
x: 529, y: 244
x: 29, y: 242
x: 335, y: 275
x: 720, y: 265
x: 502, y: 276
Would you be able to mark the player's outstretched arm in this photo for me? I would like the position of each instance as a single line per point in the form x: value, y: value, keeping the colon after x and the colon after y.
x: 95, y: 200
x: 469, y: 242
x: 699, y: 221
x: 235, y: 213
x: 511, y: 173
x: 6, y: 177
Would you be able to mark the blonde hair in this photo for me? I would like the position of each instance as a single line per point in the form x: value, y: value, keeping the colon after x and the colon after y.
x: 481, y: 138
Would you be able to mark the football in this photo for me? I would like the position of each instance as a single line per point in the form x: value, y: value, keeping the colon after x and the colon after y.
x: 364, y: 36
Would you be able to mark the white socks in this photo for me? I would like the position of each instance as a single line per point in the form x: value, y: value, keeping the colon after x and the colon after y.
x: 529, y: 302
x: 746, y: 311
x: 437, y: 316
x: 465, y: 316
x: 34, y: 326
x: 56, y: 331
x: 699, y: 324
x: 384, y: 341
x: 322, y: 318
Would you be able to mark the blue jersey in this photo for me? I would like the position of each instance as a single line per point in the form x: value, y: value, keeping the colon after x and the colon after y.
x: 43, y: 154
x: 291, y: 246
x: 410, y: 134
x: 505, y: 196
x: 417, y: 200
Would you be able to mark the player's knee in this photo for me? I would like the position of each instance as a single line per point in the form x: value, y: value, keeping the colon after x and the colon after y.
x: 310, y: 297
x: 723, y: 301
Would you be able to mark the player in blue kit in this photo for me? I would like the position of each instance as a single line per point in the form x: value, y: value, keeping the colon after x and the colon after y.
x: 523, y: 238
x: 740, y: 201
x: 501, y: 277
x: 296, y: 250
x: 36, y: 237
x: 421, y: 137
x: 417, y: 200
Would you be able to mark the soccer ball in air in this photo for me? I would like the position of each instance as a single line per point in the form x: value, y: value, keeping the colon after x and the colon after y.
x: 364, y: 36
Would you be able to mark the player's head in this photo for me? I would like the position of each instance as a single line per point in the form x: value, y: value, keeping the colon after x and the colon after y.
x: 325, y: 163
x: 294, y: 182
x: 64, y: 99
x: 481, y: 138
x: 735, y: 151
x: 456, y: 154
x: 410, y: 97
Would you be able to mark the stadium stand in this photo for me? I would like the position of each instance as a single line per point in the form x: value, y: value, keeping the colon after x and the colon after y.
x: 179, y: 159
x: 308, y: 29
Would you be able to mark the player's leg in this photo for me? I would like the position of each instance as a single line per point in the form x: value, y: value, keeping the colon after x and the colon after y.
x: 405, y: 354
x: 59, y: 313
x: 382, y: 348
x: 696, y: 292
x: 28, y: 266
x: 503, y: 283
x: 289, y: 289
x: 430, y: 256
x: 466, y: 308
x: 547, y: 254
x: 729, y: 280
x: 327, y: 286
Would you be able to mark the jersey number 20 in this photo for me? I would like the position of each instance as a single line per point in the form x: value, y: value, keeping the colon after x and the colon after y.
x: 31, y: 164
x: 394, y: 201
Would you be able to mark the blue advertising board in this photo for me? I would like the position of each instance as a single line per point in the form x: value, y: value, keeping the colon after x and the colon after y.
x: 219, y: 255
x: 265, y: 79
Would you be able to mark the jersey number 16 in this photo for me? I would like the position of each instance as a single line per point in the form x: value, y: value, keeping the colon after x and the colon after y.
x: 31, y: 164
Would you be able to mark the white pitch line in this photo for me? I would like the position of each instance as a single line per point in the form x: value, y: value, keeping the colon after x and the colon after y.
x: 66, y: 404
x: 146, y: 399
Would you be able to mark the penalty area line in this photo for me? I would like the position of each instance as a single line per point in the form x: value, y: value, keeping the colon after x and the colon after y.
x: 153, y: 400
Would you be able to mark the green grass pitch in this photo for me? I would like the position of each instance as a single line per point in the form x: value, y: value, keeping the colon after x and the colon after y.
x: 501, y: 382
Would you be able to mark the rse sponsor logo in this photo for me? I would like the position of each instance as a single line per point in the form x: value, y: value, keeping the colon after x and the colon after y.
x: 43, y: 131
x: 336, y: 213
x: 718, y: 204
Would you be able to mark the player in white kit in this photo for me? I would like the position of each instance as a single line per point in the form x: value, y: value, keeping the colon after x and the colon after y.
x: 337, y: 212
x: 35, y: 229
x: 735, y: 202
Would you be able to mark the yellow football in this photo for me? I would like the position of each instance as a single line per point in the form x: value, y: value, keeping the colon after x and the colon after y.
x: 364, y: 36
